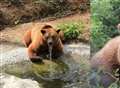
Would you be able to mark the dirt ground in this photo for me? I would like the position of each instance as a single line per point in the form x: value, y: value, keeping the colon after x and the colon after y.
x: 11, y: 37
x: 13, y: 12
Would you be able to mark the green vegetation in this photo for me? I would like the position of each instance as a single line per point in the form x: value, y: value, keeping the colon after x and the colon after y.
x: 98, y: 37
x: 104, y: 21
x: 71, y: 30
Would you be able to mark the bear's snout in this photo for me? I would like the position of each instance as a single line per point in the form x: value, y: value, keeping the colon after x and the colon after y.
x: 50, y: 42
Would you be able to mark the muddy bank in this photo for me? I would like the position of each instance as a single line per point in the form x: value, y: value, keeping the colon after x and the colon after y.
x: 14, y: 35
x: 14, y: 12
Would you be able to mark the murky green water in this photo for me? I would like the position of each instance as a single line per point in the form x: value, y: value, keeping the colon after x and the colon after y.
x: 65, y: 74
x: 69, y: 71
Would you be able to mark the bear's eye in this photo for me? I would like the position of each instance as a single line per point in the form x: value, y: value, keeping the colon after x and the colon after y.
x: 53, y: 37
x: 43, y: 31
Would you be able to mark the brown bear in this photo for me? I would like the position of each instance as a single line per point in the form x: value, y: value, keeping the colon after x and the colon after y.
x: 118, y: 27
x: 108, y: 58
x: 61, y: 34
x: 39, y: 38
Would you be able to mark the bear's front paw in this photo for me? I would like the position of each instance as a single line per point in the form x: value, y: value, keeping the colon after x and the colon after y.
x: 36, y: 59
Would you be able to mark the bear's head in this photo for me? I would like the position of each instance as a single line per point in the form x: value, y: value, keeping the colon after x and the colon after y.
x: 50, y: 35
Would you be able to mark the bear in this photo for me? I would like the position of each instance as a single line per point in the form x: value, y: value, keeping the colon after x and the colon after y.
x: 61, y: 34
x: 108, y: 60
x: 118, y: 27
x: 39, y: 39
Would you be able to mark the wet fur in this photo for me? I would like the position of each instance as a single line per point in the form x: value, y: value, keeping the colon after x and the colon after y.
x: 35, y: 41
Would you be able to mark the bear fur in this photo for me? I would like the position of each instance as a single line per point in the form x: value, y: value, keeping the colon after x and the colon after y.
x: 108, y: 58
x: 106, y: 62
x: 38, y: 38
x: 118, y: 27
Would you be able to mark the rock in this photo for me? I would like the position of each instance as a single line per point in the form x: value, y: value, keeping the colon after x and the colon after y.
x: 69, y: 68
x: 50, y: 69
x: 13, y: 56
x: 78, y: 48
x: 9, y: 81
x: 20, y: 54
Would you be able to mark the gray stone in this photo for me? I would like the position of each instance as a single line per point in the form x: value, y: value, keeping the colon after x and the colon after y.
x: 9, y: 81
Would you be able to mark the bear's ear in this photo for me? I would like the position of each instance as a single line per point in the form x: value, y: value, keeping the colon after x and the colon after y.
x: 43, y: 32
x: 58, y: 30
x: 46, y: 26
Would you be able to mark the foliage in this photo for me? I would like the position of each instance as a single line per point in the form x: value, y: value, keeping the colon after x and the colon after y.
x: 98, y: 38
x: 104, y: 21
x: 71, y: 30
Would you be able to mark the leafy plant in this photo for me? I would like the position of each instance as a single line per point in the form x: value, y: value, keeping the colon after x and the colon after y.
x: 71, y: 30
x: 105, y: 17
x: 98, y: 37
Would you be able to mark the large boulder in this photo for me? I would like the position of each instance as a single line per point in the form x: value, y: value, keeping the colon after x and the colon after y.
x: 9, y: 81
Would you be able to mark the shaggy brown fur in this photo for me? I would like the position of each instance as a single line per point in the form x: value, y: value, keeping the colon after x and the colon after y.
x: 37, y: 38
x: 108, y: 58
